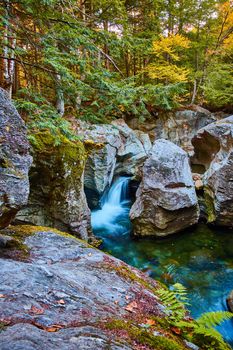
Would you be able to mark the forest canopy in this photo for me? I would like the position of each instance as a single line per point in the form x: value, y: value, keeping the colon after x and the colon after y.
x: 103, y: 59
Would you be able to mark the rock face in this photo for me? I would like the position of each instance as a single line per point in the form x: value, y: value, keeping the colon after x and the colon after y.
x: 213, y: 146
x: 178, y: 127
x: 166, y: 201
x: 57, y: 196
x: 59, y: 293
x: 15, y: 161
x: 124, y: 151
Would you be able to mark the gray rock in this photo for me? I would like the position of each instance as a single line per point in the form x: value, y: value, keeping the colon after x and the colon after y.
x: 73, y: 309
x: 124, y: 152
x: 15, y: 161
x: 166, y: 201
x: 57, y: 197
x: 213, y: 146
x: 181, y: 126
x: 133, y: 151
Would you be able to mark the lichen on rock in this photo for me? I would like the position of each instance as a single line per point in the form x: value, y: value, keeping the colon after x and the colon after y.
x: 57, y: 192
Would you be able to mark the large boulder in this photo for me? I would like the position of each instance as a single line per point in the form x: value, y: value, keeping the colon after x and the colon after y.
x: 15, y: 161
x: 133, y: 151
x: 57, y: 196
x: 59, y: 293
x: 166, y: 201
x: 213, y: 146
x: 101, y: 162
x: 123, y: 151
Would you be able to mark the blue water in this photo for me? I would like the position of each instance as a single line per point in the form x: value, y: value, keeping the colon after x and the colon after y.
x: 201, y: 259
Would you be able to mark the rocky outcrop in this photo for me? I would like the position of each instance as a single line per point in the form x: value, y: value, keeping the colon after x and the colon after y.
x: 59, y: 293
x: 166, y: 201
x: 133, y: 151
x: 213, y: 146
x: 123, y: 152
x: 178, y: 126
x: 101, y: 162
x: 15, y: 161
x: 57, y: 196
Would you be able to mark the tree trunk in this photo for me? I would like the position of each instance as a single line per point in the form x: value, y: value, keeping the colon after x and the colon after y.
x: 60, y: 103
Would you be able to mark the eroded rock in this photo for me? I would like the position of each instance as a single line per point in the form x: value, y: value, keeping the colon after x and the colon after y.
x: 180, y: 126
x: 68, y: 295
x: 166, y: 201
x: 15, y: 161
x: 57, y: 196
x: 213, y: 146
x: 124, y: 152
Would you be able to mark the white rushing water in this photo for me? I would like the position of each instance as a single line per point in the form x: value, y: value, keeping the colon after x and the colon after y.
x: 113, y: 206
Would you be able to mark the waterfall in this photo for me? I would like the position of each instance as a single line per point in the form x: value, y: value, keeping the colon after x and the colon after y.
x: 117, y: 193
x: 111, y: 218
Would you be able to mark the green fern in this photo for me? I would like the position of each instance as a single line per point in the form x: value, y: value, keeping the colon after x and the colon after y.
x: 214, y: 318
x: 201, y: 331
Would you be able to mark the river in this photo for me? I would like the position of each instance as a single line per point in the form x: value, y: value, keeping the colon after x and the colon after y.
x: 200, y: 258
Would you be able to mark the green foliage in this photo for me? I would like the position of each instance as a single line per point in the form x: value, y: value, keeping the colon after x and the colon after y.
x: 44, y: 117
x: 218, y: 86
x: 202, y: 330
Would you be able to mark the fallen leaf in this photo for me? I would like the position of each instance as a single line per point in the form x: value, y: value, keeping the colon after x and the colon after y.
x: 61, y: 301
x: 131, y: 306
x: 176, y: 330
x: 127, y: 297
x: 116, y: 302
x: 150, y: 322
x: 2, y: 296
x: 36, y: 310
x: 53, y: 328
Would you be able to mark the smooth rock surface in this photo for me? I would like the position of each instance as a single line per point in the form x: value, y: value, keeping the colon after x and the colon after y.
x: 166, y: 201
x: 124, y: 152
x: 15, y: 161
x: 64, y: 294
x: 213, y: 146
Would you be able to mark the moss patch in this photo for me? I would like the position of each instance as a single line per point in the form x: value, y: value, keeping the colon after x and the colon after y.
x: 140, y: 336
x: 209, y: 205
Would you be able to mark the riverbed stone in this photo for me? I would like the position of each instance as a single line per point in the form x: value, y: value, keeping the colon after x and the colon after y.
x: 15, y: 161
x: 213, y: 146
x: 68, y: 295
x: 166, y: 201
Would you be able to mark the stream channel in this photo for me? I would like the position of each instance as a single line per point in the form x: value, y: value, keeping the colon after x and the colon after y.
x: 201, y: 259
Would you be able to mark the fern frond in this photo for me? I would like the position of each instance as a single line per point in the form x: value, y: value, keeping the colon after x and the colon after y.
x: 213, y: 319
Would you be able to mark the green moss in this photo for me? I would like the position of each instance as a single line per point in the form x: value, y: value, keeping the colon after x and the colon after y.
x: 2, y: 326
x: 145, y: 337
x: 126, y: 272
x: 20, y: 232
x: 209, y: 205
